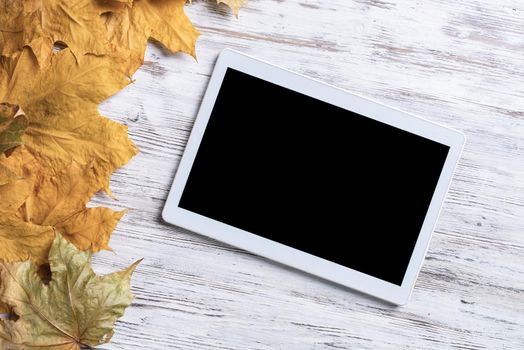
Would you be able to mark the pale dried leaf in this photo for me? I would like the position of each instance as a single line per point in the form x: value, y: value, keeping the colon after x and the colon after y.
x: 76, y: 309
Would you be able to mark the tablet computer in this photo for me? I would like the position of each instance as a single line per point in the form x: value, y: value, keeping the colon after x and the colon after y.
x: 313, y: 177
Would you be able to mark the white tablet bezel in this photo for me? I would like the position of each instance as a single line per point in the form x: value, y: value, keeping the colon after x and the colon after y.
x: 284, y: 254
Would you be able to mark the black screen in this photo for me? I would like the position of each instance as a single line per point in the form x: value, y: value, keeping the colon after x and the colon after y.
x: 314, y: 176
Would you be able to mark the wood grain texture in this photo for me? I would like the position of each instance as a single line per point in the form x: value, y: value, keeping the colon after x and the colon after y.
x: 460, y: 63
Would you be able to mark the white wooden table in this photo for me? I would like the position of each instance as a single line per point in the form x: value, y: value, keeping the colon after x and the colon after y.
x: 460, y: 63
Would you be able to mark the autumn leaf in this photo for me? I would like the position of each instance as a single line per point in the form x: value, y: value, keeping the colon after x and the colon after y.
x: 11, y: 26
x: 234, y: 4
x: 116, y: 28
x: 64, y: 82
x: 69, y: 150
x: 59, y: 196
x: 12, y: 125
x: 128, y: 30
x: 21, y: 240
x: 53, y: 201
x: 40, y: 24
x: 128, y: 3
x: 14, y: 194
x: 6, y: 175
x: 60, y: 201
x: 90, y: 228
x: 165, y: 22
x: 61, y: 105
x: 11, y: 169
x: 20, y: 171
x: 76, y: 309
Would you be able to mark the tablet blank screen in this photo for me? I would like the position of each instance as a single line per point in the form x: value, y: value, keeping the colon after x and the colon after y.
x: 314, y: 176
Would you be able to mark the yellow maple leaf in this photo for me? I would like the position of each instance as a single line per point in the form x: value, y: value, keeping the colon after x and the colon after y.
x: 6, y: 175
x: 128, y: 30
x: 90, y: 228
x: 165, y: 22
x: 76, y: 309
x: 234, y: 4
x: 128, y: 3
x: 21, y: 240
x: 60, y: 201
x: 11, y: 26
x: 40, y: 24
x: 16, y: 185
x: 43, y: 201
x: 118, y: 28
x: 58, y: 196
x: 69, y: 150
x: 14, y: 194
x: 61, y: 105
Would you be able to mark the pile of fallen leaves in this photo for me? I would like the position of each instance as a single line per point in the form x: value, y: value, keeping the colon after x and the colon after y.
x: 57, y: 151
